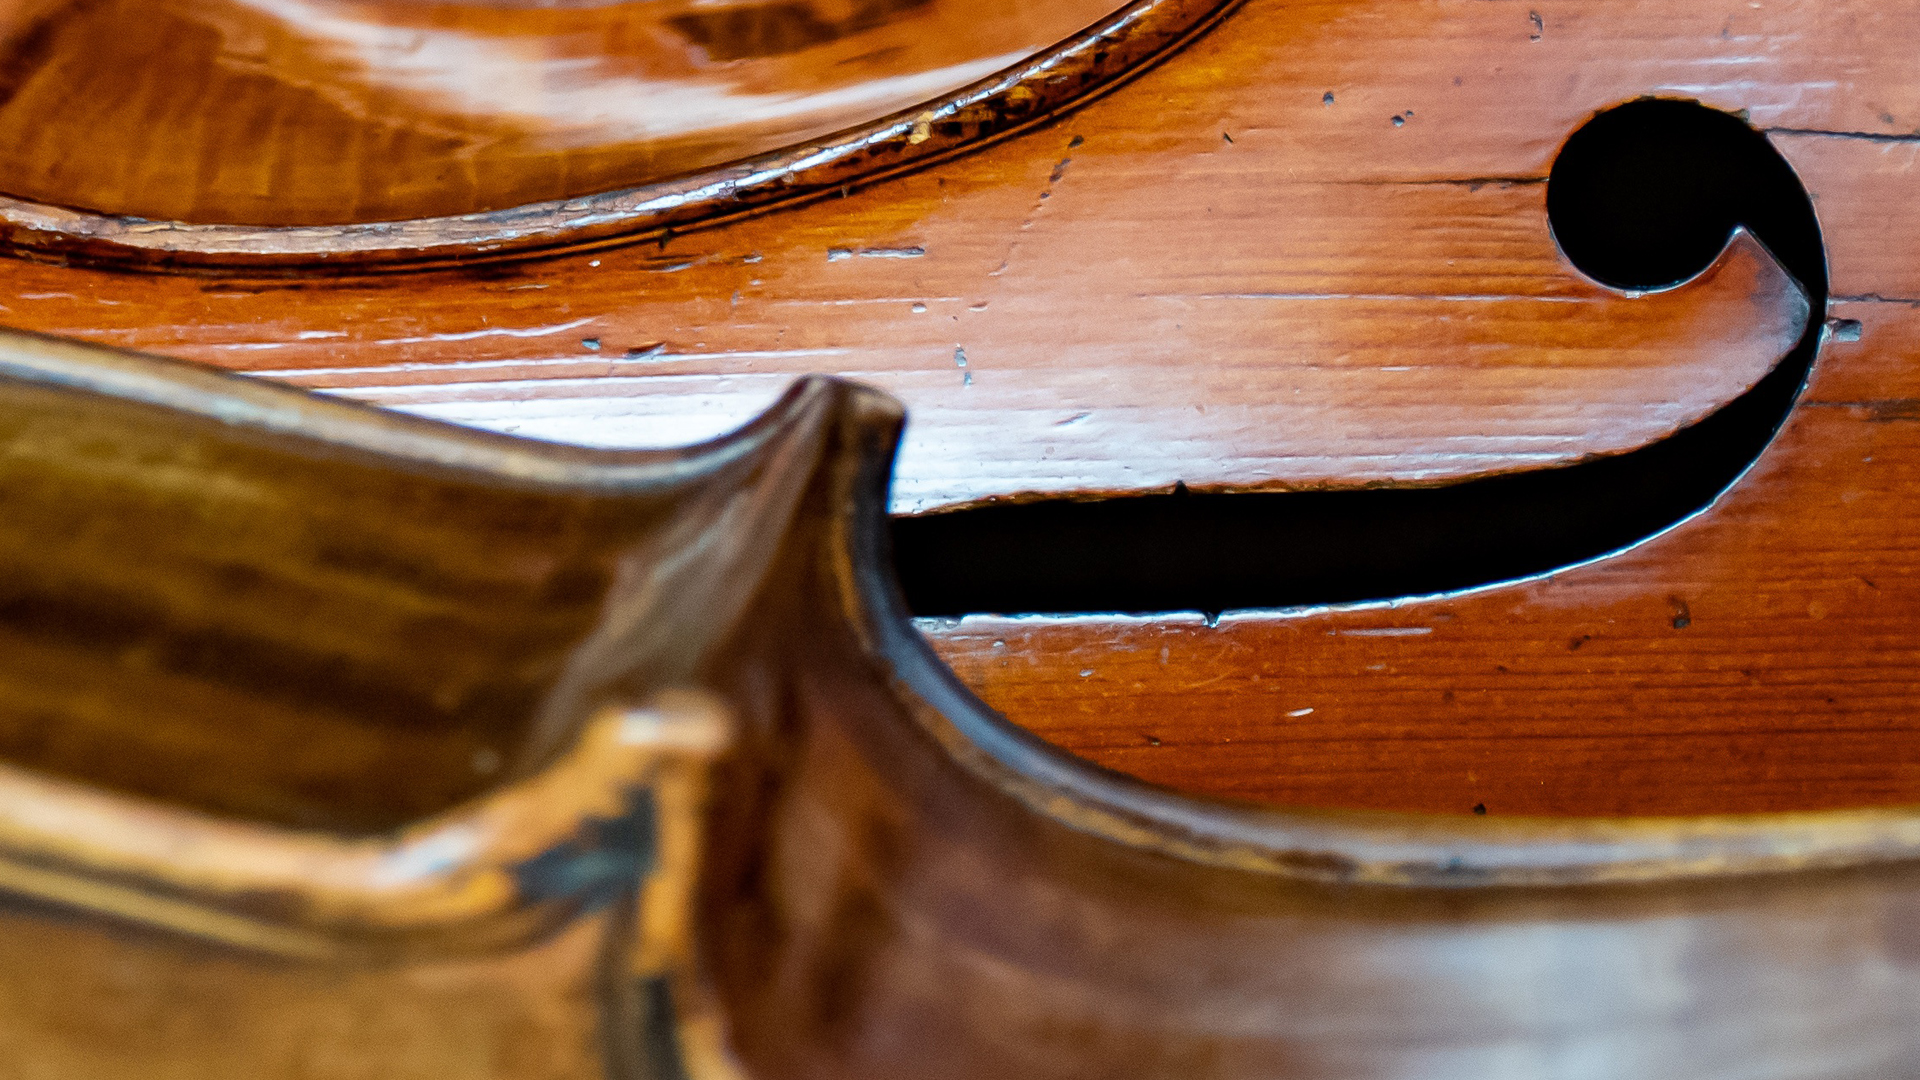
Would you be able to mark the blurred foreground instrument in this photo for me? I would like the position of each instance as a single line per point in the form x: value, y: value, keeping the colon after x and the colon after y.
x: 1406, y: 504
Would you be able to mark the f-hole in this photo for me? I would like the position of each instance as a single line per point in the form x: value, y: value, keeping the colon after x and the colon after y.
x: 1643, y: 195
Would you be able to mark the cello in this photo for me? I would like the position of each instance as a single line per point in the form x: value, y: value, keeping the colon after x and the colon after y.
x: 1403, y: 505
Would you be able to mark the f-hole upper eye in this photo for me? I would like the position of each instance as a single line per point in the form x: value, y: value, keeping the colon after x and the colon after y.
x: 1644, y: 196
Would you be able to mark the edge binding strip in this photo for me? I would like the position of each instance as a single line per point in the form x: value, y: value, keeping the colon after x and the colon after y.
x: 1069, y: 73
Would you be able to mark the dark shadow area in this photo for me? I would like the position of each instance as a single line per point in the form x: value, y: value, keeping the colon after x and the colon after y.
x: 1643, y: 195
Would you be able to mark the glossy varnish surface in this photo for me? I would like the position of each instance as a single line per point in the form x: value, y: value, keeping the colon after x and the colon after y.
x: 1758, y: 657
x: 1324, y: 213
x: 312, y: 112
x: 880, y: 878
x: 272, y: 636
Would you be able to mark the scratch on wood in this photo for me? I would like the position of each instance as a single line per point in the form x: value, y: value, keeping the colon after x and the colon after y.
x: 1472, y: 182
x: 1876, y: 298
x: 1864, y: 136
x: 1878, y: 412
x: 838, y: 254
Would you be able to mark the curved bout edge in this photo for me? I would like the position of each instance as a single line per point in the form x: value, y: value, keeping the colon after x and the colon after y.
x: 902, y: 883
x: 1064, y: 76
x: 1332, y: 846
x: 1378, y: 848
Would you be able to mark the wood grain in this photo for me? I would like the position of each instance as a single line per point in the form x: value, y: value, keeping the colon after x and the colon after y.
x: 1758, y: 657
x: 1295, y: 390
x: 1235, y: 374
x: 888, y: 879
x: 292, y: 112
x: 894, y: 881
x: 1332, y: 207
x: 1035, y: 83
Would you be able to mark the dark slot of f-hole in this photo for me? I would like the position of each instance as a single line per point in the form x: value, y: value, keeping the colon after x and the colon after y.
x: 1643, y: 195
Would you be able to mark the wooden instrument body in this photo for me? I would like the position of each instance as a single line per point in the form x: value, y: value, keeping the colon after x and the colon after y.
x: 1662, y: 790
x: 851, y: 867
x: 1145, y: 293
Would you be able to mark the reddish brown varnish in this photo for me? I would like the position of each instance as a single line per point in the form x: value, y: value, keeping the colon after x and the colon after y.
x: 1308, y: 249
x: 766, y: 804
x: 310, y: 112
